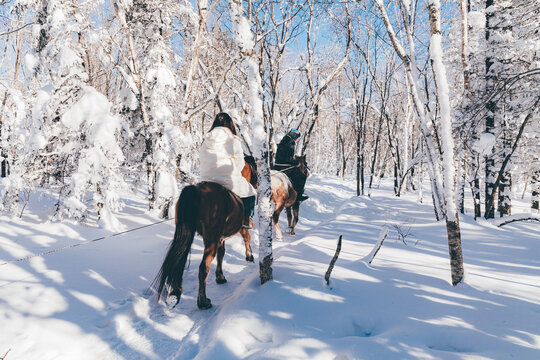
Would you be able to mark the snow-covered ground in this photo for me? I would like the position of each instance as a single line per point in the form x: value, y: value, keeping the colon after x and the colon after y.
x: 90, y: 301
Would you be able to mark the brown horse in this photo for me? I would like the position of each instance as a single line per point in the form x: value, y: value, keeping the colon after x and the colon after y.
x: 284, y: 197
x: 283, y: 193
x: 215, y: 213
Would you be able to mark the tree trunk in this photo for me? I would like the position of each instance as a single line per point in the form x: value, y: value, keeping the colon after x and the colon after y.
x: 490, y: 171
x: 475, y: 187
x: 535, y: 193
x: 375, y: 150
x: 361, y: 114
x: 504, y: 205
x: 454, y: 249
x: 464, y: 12
x: 449, y: 172
x: 3, y: 162
x: 243, y: 38
x: 461, y: 187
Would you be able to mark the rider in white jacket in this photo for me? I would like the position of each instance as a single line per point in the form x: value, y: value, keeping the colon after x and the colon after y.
x: 222, y: 160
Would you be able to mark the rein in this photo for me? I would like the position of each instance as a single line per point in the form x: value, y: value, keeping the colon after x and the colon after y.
x: 79, y: 244
x: 290, y: 167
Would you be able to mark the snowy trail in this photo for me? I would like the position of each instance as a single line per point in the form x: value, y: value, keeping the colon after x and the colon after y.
x: 90, y: 302
x: 101, y: 287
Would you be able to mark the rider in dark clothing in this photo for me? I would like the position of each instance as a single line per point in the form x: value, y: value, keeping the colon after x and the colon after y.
x: 286, y: 163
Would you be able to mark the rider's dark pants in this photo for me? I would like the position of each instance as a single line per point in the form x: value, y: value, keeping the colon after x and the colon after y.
x: 249, y: 206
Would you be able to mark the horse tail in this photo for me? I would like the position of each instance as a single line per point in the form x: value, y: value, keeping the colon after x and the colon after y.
x: 172, y: 270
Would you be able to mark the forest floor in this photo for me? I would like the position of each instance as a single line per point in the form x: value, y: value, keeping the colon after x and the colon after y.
x: 91, y: 301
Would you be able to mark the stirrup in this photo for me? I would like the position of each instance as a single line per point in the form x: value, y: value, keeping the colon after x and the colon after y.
x: 303, y: 197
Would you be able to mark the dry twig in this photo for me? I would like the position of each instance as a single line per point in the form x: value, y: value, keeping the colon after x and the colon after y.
x: 334, y: 259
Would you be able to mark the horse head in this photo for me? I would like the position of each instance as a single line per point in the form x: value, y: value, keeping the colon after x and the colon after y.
x: 304, y: 168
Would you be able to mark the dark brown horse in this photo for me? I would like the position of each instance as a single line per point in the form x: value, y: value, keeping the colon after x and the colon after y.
x: 215, y: 213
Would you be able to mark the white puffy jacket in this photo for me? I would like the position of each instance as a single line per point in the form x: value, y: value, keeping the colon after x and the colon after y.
x: 222, y: 160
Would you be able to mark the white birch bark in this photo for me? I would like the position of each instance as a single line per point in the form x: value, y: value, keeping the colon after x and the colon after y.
x: 465, y: 47
x: 244, y: 39
x: 449, y: 170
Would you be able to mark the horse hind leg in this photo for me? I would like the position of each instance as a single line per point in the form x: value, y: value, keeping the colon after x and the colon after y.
x: 295, y: 211
x: 290, y: 222
x: 275, y: 219
x: 204, y: 269
x: 247, y: 242
x: 220, y: 278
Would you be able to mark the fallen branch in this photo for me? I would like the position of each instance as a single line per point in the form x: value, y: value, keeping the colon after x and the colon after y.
x: 382, y: 235
x: 522, y: 219
x: 5, y: 355
x: 334, y: 259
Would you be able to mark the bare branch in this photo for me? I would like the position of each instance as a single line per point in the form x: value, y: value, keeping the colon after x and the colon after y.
x: 382, y: 235
x: 521, y: 219
x: 333, y: 262
x: 16, y: 30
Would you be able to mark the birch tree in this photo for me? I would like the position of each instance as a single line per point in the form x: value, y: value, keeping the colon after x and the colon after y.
x: 446, y: 199
x: 449, y: 171
x: 148, y: 73
x: 244, y: 39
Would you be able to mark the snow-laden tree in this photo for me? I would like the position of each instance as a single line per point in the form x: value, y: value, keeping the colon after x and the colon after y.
x: 97, y: 171
x: 14, y: 137
x: 244, y: 39
x: 448, y: 160
x: 156, y: 140
x: 69, y: 134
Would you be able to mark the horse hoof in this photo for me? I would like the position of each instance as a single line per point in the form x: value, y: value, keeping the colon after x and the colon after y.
x: 221, y: 280
x: 171, y: 301
x: 250, y: 258
x: 173, y: 298
x: 204, y: 304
